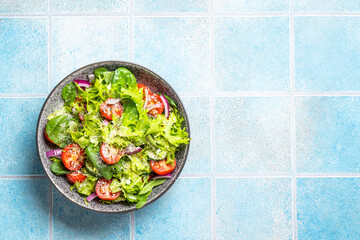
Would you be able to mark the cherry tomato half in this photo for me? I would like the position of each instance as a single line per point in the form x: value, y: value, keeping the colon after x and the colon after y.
x: 107, y: 110
x: 76, y: 177
x: 47, y: 137
x: 161, y: 168
x: 155, y: 99
x: 143, y: 87
x: 103, y: 191
x: 109, y: 154
x: 73, y: 157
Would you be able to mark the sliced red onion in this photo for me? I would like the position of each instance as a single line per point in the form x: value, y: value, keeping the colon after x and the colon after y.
x: 162, y: 176
x: 54, y: 153
x: 113, y: 101
x: 151, y: 107
x: 132, y: 149
x: 91, y: 197
x: 146, y: 92
x: 82, y: 83
x: 91, y: 77
x: 166, y: 105
x: 106, y: 122
x: 81, y: 125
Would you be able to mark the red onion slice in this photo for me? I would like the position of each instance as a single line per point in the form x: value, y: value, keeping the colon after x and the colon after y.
x: 162, y: 176
x: 91, y: 77
x: 106, y: 122
x: 132, y: 149
x: 91, y: 197
x: 54, y: 153
x: 82, y: 83
x: 151, y: 107
x: 146, y: 92
x: 113, y: 101
x: 166, y: 105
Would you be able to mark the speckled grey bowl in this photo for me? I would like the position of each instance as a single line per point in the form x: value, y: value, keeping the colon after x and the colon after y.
x: 54, y: 101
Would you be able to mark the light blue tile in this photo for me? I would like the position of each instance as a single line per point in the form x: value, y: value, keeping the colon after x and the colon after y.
x: 327, y: 52
x: 80, y: 41
x: 328, y: 208
x: 71, y: 221
x: 89, y: 6
x: 327, y: 134
x: 182, y: 213
x: 144, y: 6
x: 198, y: 111
x: 252, y: 134
x: 24, y: 55
x: 245, y: 6
x: 253, y: 209
x: 251, y: 54
x: 24, y: 209
x: 175, y: 48
x: 28, y: 6
x: 326, y: 6
x: 18, y: 136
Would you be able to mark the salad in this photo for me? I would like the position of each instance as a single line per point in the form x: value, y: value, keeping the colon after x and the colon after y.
x: 116, y: 139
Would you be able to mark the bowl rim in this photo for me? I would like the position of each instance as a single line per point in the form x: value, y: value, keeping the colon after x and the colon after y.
x: 110, y: 62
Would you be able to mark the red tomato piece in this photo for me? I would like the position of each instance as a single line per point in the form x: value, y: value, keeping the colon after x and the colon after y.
x: 73, y: 157
x: 155, y: 99
x: 76, y: 177
x: 107, y: 110
x: 109, y: 154
x: 103, y: 191
x: 161, y: 168
x: 143, y: 87
x: 47, y: 137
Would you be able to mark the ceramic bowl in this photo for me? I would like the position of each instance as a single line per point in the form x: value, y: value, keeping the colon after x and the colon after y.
x: 54, y: 101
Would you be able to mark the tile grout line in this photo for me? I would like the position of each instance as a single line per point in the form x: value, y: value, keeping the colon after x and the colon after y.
x: 292, y: 121
x: 212, y: 119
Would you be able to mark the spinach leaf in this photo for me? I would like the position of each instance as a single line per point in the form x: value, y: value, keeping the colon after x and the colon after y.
x: 104, y: 74
x: 92, y: 153
x: 142, y: 199
x: 124, y: 77
x: 130, y: 114
x: 171, y: 102
x: 58, y: 168
x: 58, y: 128
x: 68, y: 93
x: 150, y: 185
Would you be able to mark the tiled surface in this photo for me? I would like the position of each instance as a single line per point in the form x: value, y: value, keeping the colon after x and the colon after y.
x: 271, y: 89
x: 252, y: 135
x: 328, y: 208
x: 253, y: 208
x: 71, y: 221
x: 24, y: 208
x: 182, y: 213
x: 251, y: 54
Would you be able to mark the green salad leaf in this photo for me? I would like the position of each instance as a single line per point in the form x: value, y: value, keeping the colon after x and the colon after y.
x: 68, y: 93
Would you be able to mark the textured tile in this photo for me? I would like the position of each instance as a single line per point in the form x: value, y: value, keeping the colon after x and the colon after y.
x: 24, y: 209
x: 327, y: 134
x: 327, y: 52
x: 71, y: 221
x: 24, y: 55
x: 89, y: 6
x: 328, y: 208
x: 326, y: 6
x: 175, y: 48
x: 182, y: 213
x: 18, y: 136
x: 80, y: 41
x: 253, y: 208
x: 245, y: 6
x: 27, y: 6
x: 251, y: 54
x: 252, y: 134
x: 144, y: 6
x: 199, y: 158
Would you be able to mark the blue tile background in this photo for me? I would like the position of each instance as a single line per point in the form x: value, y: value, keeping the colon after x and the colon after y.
x: 24, y: 209
x: 28, y: 6
x: 18, y: 149
x: 89, y: 6
x: 326, y: 6
x: 328, y: 208
x: 251, y: 54
x: 24, y: 55
x: 175, y: 48
x: 252, y: 135
x: 71, y: 221
x: 182, y: 213
x: 142, y: 6
x: 253, y: 208
x: 245, y: 6
x: 327, y: 133
x: 327, y: 50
